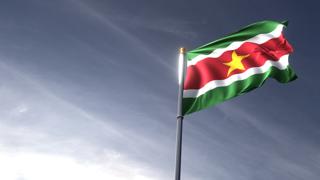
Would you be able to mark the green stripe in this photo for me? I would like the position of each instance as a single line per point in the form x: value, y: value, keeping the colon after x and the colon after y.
x: 248, y: 32
x: 237, y: 88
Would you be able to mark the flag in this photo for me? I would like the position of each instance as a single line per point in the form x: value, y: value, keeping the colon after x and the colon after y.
x: 236, y: 64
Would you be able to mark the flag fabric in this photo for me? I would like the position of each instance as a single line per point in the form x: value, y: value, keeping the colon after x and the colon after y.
x: 236, y: 64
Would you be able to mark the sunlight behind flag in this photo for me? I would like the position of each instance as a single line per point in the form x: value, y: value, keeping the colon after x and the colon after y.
x: 180, y: 68
x: 181, y: 65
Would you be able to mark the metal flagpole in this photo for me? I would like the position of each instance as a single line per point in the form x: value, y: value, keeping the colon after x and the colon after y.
x: 182, y: 66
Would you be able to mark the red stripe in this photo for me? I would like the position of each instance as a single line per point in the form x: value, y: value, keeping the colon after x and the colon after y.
x: 210, y: 69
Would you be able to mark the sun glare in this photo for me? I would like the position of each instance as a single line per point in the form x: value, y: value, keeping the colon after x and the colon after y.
x: 180, y: 67
x: 34, y: 166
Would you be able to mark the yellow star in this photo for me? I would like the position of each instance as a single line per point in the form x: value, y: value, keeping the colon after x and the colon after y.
x: 235, y: 62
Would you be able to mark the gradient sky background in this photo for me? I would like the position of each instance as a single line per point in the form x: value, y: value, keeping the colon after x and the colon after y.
x: 88, y: 90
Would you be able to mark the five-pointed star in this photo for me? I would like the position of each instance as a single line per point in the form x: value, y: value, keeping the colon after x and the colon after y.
x: 235, y: 62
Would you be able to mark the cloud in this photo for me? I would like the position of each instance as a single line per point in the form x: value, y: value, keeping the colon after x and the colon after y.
x: 175, y: 27
x: 38, y: 166
x: 40, y: 131
x: 130, y: 38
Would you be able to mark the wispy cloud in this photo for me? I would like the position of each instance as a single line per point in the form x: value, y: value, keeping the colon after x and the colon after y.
x: 136, y: 42
x: 175, y: 27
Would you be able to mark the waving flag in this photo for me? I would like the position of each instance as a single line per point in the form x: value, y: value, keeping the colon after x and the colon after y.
x: 236, y: 64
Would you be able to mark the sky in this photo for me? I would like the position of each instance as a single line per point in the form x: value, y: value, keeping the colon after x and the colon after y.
x: 88, y: 90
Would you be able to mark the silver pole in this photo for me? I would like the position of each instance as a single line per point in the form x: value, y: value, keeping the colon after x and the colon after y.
x: 182, y: 66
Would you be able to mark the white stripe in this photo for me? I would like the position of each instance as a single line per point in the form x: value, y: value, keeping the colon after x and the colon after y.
x: 281, y: 64
x: 258, y: 39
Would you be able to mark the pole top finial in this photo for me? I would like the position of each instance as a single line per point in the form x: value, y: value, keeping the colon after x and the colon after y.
x: 182, y: 50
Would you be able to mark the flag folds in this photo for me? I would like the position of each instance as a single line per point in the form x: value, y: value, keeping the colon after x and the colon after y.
x: 236, y: 64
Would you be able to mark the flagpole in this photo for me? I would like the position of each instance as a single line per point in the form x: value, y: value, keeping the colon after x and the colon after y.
x: 182, y: 65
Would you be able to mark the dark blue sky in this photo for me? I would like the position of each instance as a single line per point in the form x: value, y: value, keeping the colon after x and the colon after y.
x: 88, y: 90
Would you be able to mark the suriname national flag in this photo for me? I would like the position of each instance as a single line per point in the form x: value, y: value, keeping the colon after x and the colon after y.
x: 236, y: 64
